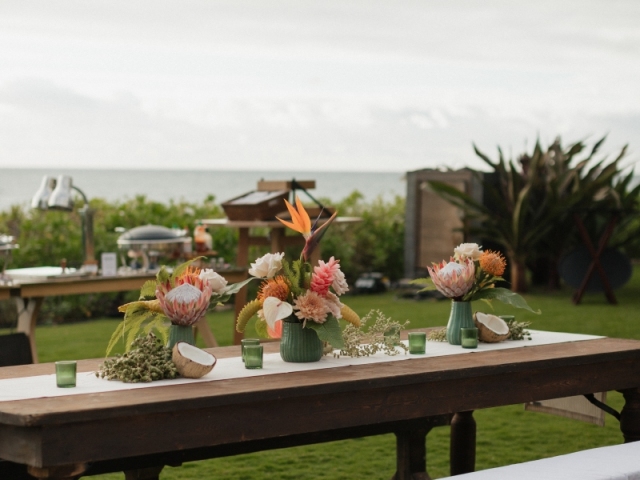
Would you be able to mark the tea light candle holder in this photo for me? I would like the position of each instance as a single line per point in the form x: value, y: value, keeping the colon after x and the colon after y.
x: 417, y: 342
x: 469, y: 337
x: 253, y: 356
x: 247, y: 341
x: 66, y: 373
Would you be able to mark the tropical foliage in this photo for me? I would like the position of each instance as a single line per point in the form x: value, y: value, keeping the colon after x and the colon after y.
x: 529, y: 204
x: 374, y: 244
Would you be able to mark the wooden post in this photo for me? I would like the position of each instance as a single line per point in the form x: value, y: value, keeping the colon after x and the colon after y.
x: 242, y: 260
x: 630, y: 415
x: 411, y: 455
x: 28, y: 310
x: 595, y: 260
x: 463, y: 443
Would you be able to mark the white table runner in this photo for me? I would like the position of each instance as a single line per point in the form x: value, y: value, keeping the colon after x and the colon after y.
x: 42, y: 386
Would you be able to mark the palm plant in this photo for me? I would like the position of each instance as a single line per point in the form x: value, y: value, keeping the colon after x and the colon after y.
x: 528, y: 204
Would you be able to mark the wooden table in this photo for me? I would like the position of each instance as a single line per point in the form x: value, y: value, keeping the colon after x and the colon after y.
x: 276, y: 239
x: 29, y: 295
x: 139, y: 431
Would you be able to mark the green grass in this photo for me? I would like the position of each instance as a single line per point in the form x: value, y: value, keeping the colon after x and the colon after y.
x: 505, y: 435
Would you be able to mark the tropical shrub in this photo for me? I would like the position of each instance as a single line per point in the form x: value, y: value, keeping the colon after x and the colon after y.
x: 374, y: 244
x: 529, y: 204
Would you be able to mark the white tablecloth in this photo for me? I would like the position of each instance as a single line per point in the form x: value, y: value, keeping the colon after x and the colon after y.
x: 226, y: 368
x: 618, y: 462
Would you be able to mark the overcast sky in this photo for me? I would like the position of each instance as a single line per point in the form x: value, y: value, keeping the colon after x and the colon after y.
x: 313, y: 85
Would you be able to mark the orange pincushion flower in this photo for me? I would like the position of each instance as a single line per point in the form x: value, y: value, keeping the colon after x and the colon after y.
x: 493, y: 263
x: 274, y: 287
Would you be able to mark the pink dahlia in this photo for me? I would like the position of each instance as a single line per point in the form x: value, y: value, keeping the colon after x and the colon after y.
x: 453, y: 279
x: 323, y: 276
x: 186, y: 302
x: 310, y: 306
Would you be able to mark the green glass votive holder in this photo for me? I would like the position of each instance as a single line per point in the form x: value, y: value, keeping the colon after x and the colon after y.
x: 253, y: 356
x: 469, y: 337
x: 417, y: 342
x: 66, y: 373
x: 247, y: 341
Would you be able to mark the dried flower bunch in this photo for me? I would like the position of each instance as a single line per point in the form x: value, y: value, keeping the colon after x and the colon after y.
x: 181, y: 297
x: 382, y: 336
x: 147, y: 361
x: 298, y: 291
x: 471, y: 274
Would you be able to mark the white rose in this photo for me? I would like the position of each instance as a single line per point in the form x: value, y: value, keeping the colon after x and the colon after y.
x: 468, y: 250
x: 267, y: 266
x: 217, y: 281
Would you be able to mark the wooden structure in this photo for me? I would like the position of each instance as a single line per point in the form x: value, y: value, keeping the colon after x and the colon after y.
x: 434, y: 227
x: 29, y: 296
x: 65, y: 437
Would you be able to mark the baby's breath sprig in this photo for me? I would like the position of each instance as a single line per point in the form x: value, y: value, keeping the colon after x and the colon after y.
x: 382, y: 336
x: 437, y: 335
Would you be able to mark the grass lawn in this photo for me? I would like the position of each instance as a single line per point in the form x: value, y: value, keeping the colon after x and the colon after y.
x: 505, y: 435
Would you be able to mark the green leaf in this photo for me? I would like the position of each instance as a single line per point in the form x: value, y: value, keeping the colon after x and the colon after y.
x: 261, y: 328
x: 148, y: 290
x: 505, y: 296
x: 235, y: 288
x: 328, y: 331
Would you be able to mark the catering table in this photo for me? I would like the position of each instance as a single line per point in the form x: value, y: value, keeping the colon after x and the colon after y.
x: 140, y: 430
x: 29, y: 295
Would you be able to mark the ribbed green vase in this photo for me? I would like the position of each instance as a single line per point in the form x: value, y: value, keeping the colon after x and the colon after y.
x: 460, y: 317
x: 299, y: 345
x: 178, y: 333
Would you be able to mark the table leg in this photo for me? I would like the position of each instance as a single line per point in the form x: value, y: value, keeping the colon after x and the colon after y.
x: 463, y: 443
x: 630, y: 415
x: 61, y: 472
x: 411, y: 455
x: 150, y: 473
x: 28, y: 309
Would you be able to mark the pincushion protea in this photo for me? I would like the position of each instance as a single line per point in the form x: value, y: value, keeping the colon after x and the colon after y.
x: 453, y: 279
x: 188, y: 300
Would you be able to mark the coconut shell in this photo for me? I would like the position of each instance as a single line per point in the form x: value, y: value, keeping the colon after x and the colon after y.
x: 486, y: 334
x: 191, y: 361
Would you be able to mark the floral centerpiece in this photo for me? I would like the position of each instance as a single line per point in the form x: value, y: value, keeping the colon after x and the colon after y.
x: 471, y: 274
x: 172, y: 303
x: 299, y: 302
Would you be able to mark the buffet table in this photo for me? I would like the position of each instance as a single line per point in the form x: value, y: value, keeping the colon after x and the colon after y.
x: 143, y: 429
x: 29, y: 294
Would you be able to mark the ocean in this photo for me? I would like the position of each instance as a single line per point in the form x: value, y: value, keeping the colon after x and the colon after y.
x: 17, y: 186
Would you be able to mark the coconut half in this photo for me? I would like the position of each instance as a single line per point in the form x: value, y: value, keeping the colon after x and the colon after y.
x: 491, y: 328
x: 191, y: 361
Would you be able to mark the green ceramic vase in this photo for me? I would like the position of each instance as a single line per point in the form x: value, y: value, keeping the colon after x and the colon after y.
x: 460, y: 317
x: 179, y: 333
x: 299, y: 345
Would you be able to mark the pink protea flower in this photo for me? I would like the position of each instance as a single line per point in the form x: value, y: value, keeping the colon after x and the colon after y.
x: 324, y: 275
x: 453, y: 279
x: 188, y: 300
x: 310, y: 306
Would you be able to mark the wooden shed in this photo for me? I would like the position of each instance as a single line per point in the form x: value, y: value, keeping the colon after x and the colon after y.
x: 434, y: 227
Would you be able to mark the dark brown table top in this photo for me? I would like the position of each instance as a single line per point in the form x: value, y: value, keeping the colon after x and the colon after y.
x: 163, y: 419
